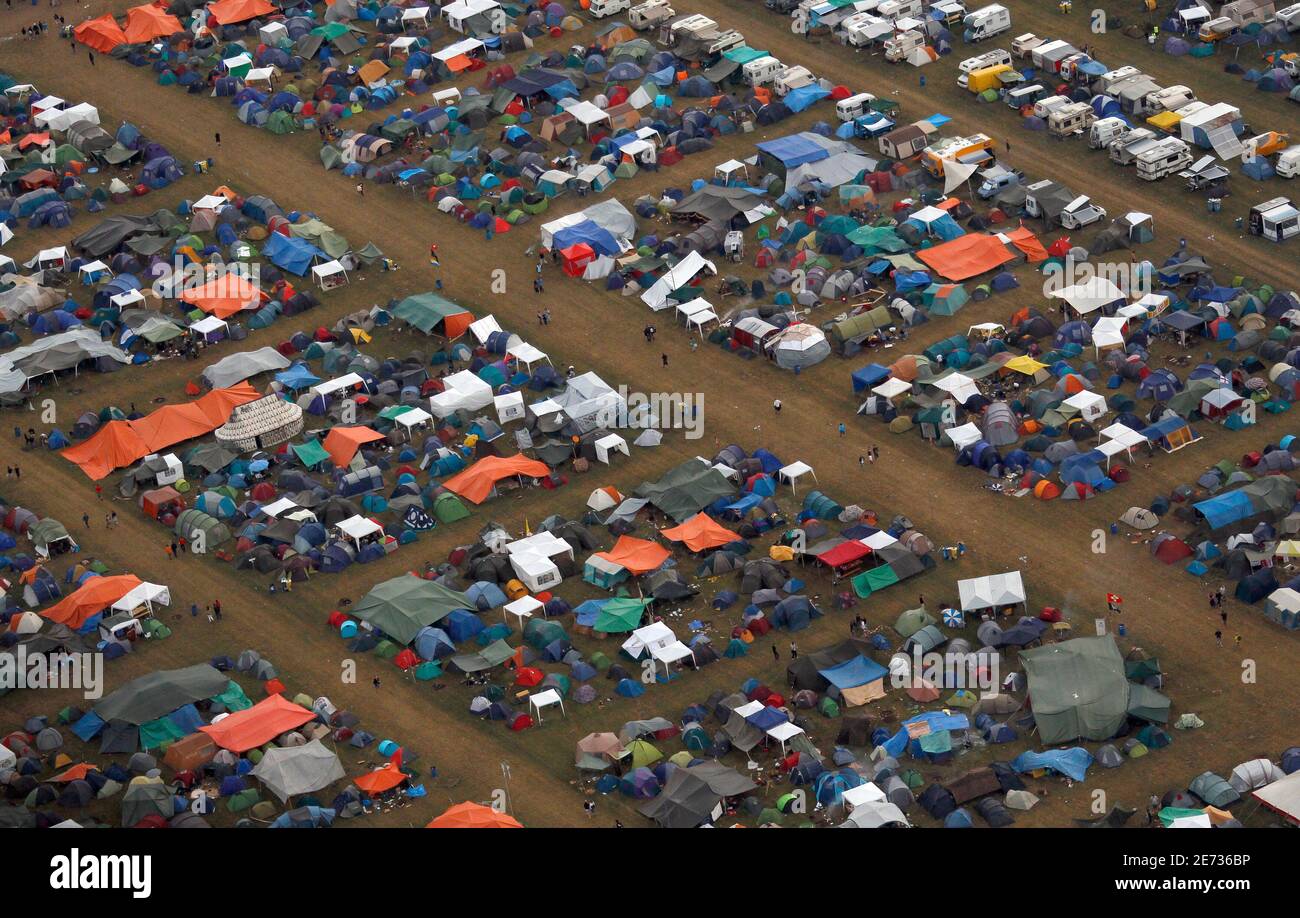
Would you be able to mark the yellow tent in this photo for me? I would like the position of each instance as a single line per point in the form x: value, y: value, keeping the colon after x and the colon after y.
x: 1024, y: 364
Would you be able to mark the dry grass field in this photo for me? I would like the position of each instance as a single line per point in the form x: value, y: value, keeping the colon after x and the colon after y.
x: 1165, y: 610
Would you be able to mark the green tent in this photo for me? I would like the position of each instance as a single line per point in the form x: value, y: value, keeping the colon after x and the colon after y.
x: 1079, y: 689
x: 400, y: 607
x: 643, y: 754
x: 620, y: 614
x: 427, y: 311
x: 912, y: 621
x: 311, y: 453
x: 448, y: 508
x: 877, y: 578
x: 281, y: 122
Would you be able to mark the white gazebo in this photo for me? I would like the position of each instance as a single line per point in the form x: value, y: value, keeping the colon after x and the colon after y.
x: 209, y: 325
x: 522, y: 609
x: 966, y: 435
x: 697, y: 314
x: 785, y: 732
x: 610, y: 443
x: 510, y: 407
x: 129, y: 298
x: 484, y: 328
x: 545, y: 700
x: 991, y: 591
x: 418, y: 15
x: 411, y: 419
x: 1089, y: 405
x: 527, y: 354
x: 1119, y: 438
x: 329, y: 275
x: 725, y: 172
x: 93, y: 272
x: 145, y: 596
x: 892, y: 388
x: 359, y: 529
x: 793, y: 472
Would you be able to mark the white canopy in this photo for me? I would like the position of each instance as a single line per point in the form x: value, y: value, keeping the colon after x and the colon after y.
x: 545, y: 699
x: 610, y: 443
x: 892, y: 387
x: 259, y: 75
x: 146, y: 594
x: 93, y: 268
x: 965, y: 435
x: 484, y: 327
x: 794, y: 471
x: 330, y: 386
x: 130, y: 298
x: 275, y: 508
x: 413, y: 417
x: 649, y: 638
x: 464, y: 390
x: 784, y: 732
x: 207, y: 325
x: 527, y: 354
x: 678, y: 276
x: 863, y: 793
x: 878, y: 540
x: 992, y: 590
x: 958, y: 385
x: 522, y: 608
x: 1090, y: 295
x: 587, y: 113
x: 359, y: 527
x: 330, y: 269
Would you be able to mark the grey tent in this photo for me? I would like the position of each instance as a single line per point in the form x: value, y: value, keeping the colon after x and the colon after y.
x: 1078, y: 688
x: 147, y: 798
x: 685, y: 802
x: 288, y: 772
x: 238, y: 367
x: 400, y: 607
x: 151, y: 696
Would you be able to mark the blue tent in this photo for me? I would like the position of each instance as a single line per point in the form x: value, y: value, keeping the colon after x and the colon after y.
x: 291, y: 254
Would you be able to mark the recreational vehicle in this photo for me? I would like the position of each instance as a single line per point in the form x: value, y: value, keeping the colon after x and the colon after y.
x: 894, y: 10
x: 1217, y: 28
x: 1166, y: 156
x: 996, y: 58
x: 986, y: 22
x: 1126, y: 149
x: 1022, y: 46
x: 854, y: 106
x: 649, y: 15
x: 1069, y: 119
x: 1288, y: 163
x: 862, y: 29
x: 1044, y: 107
x: 1289, y: 17
x: 791, y: 78
x: 975, y: 148
x: 1248, y: 12
x: 901, y: 45
x: 599, y: 9
x: 1167, y: 100
x: 1026, y: 95
x: 1104, y: 131
x: 906, y: 141
x: 1276, y: 220
x: 761, y: 70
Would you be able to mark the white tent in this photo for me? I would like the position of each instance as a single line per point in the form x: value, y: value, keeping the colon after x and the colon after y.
x: 92, y: 272
x: 679, y: 275
x: 697, y: 314
x: 610, y: 443
x: 958, y: 385
x: 1108, y: 331
x: 990, y: 591
x: 358, y: 528
x: 794, y: 471
x: 207, y: 325
x: 1282, y: 796
x: 509, y: 407
x: 544, y: 700
x: 892, y: 388
x: 965, y: 435
x: 412, y: 418
x: 1090, y: 295
x: 533, y: 559
x: 525, y: 353
x: 1090, y: 405
x: 785, y: 732
x: 863, y: 793
x: 463, y: 391
x: 147, y: 595
x: 329, y: 275
x: 130, y: 298
x: 522, y: 609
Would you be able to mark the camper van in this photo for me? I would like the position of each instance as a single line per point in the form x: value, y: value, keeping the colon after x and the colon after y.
x: 1164, y: 157
x: 1070, y: 119
x: 862, y: 29
x: 906, y: 141
x: 691, y: 26
x: 983, y: 61
x: 1288, y: 163
x: 1026, y: 95
x: 901, y: 45
x: 761, y: 70
x: 1217, y: 28
x: 964, y: 149
x: 725, y: 41
x: 1049, y: 54
x: 1126, y: 149
x: 1111, y: 78
x: 1022, y: 46
x: 995, y: 179
x: 986, y: 22
x: 1276, y: 220
x: 1105, y: 131
x: 599, y: 9
x: 1289, y: 17
x: 791, y: 78
x: 854, y: 106
x: 894, y: 10
x: 649, y: 15
x: 1044, y: 107
x: 1248, y: 12
x: 1080, y: 213
x: 1168, y: 99
x: 1265, y: 144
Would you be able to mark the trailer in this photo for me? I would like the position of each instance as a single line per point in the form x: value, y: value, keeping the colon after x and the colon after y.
x: 997, y: 58
x: 648, y: 15
x: 1125, y: 150
x: 1276, y: 220
x: 1105, y: 131
x: 975, y: 148
x: 1022, y: 46
x: 1070, y: 119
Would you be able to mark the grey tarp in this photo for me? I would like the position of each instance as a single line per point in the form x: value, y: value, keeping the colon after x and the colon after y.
x: 684, y: 803
x: 238, y: 367
x: 290, y: 771
x: 107, y: 236
x: 492, y: 655
x: 685, y: 490
x: 151, y: 696
x: 400, y: 607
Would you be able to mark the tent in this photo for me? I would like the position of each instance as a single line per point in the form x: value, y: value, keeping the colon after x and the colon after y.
x: 402, y: 606
x: 263, y: 722
x: 293, y: 770
x: 1079, y: 689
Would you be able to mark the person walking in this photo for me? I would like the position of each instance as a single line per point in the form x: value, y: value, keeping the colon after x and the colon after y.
x: 776, y: 654
x: 862, y: 462
x: 664, y: 358
x: 843, y: 429
x: 375, y: 682
x: 92, y: 57
x: 433, y: 255
x: 85, y: 520
x: 216, y: 608
x: 776, y: 405
x: 361, y: 190
x: 1223, y: 617
x: 99, y: 492
x: 794, y: 651
x: 1218, y: 638
x: 217, y: 138
x: 194, y: 610
x: 1237, y: 641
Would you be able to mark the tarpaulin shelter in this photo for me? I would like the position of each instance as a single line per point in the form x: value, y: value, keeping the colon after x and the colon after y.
x: 474, y: 816
x: 477, y: 482
x: 225, y: 296
x: 292, y: 770
x: 91, y: 598
x: 148, y: 22
x: 432, y: 313
x: 342, y: 443
x: 699, y: 533
x: 263, y: 722
x: 966, y: 256
x: 1079, y: 689
x: 402, y: 606
x: 158, y: 693
x: 639, y: 556
x: 229, y: 12
x: 102, y: 34
x: 120, y: 443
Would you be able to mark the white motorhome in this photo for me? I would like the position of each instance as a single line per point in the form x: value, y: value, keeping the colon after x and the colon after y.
x: 599, y: 9
x: 791, y: 78
x: 1276, y: 220
x: 761, y: 70
x: 1288, y: 162
x: 725, y: 41
x: 986, y: 22
x: 1165, y: 157
x: 691, y: 26
x: 1044, y: 107
x: 648, y: 15
x: 1069, y: 119
x: 901, y: 45
x: 1126, y: 149
x: 900, y: 9
x: 854, y: 106
x: 1289, y: 17
x: 993, y: 58
x: 1108, y: 80
x: 1167, y: 100
x: 862, y: 29
x: 1081, y: 212
x: 1022, y: 46
x: 1105, y: 131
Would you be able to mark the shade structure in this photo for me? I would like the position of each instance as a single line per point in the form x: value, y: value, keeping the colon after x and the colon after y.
x: 638, y: 556
x: 342, y: 443
x: 384, y: 778
x: 102, y: 34
x: 225, y: 296
x: 475, y: 484
x: 699, y: 533
x: 259, y: 724
x: 469, y: 815
x: 91, y: 598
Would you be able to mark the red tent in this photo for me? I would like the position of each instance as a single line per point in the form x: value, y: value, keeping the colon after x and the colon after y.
x: 576, y: 258
x: 102, y: 34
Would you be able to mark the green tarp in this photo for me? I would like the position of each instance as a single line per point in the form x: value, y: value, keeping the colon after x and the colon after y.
x: 492, y: 655
x: 620, y: 614
x: 686, y: 489
x: 877, y: 578
x: 156, y: 694
x: 233, y: 698
x: 426, y: 311
x: 1079, y: 689
x: 310, y: 453
x: 402, y: 606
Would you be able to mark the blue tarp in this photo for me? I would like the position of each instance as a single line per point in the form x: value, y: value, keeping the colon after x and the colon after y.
x: 1073, y: 763
x: 799, y: 99
x: 1225, y: 509
x: 590, y: 232
x: 871, y: 375
x: 852, y: 673
x: 795, y: 150
x: 291, y: 254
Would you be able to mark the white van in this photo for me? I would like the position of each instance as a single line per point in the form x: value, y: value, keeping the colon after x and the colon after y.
x: 1165, y: 157
x: 792, y: 78
x: 986, y: 22
x: 1289, y: 17
x: 599, y: 9
x: 854, y: 106
x: 862, y: 29
x: 1105, y: 131
x: 1288, y: 162
x: 1044, y: 107
x: 900, y: 9
x: 761, y: 70
x: 979, y: 62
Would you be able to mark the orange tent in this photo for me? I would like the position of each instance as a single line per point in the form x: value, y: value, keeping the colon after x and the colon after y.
x: 383, y: 778
x: 372, y: 72
x: 119, y: 443
x: 1024, y: 239
x: 263, y: 722
x: 224, y: 296
x: 966, y: 256
x: 102, y: 34
x: 469, y: 815
x: 639, y: 556
x: 149, y: 21
x: 699, y: 533
x: 91, y: 598
x: 342, y: 443
x: 226, y: 12
x: 33, y: 140
x: 75, y: 773
x: 476, y: 482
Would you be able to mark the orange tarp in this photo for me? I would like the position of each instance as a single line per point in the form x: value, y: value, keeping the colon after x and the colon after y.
x: 102, y: 34
x: 639, y: 556
x: 700, y: 533
x: 33, y: 140
x: 372, y: 72
x: 476, y: 482
x: 226, y: 12
x: 342, y: 443
x: 263, y: 722
x: 148, y: 21
x: 120, y: 443
x: 966, y: 256
x: 383, y: 778
x: 469, y: 815
x: 1024, y: 239
x: 90, y: 599
x: 224, y: 296
x: 75, y: 773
